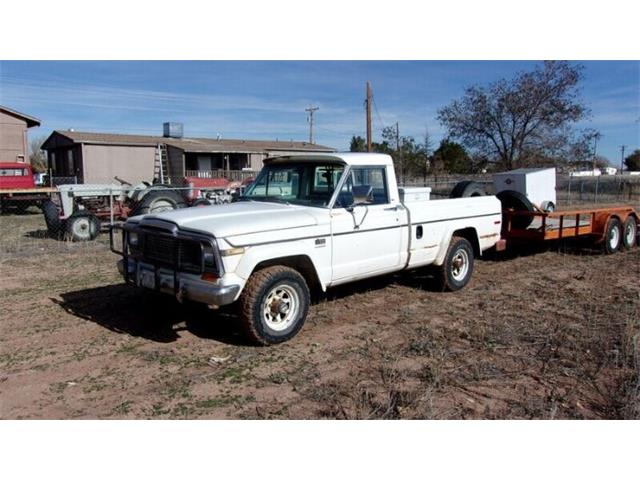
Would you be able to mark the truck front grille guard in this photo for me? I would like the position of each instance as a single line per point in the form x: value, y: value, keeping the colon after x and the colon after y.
x: 175, y: 263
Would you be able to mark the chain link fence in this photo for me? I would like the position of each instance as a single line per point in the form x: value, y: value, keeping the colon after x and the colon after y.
x: 74, y: 214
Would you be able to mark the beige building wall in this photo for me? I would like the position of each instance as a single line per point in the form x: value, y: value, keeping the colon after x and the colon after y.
x: 13, y: 139
x: 101, y: 163
x: 255, y: 161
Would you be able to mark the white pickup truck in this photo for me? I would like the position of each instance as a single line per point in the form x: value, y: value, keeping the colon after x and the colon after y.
x: 307, y: 223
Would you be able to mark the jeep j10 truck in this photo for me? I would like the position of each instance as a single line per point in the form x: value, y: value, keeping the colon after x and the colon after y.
x: 307, y: 223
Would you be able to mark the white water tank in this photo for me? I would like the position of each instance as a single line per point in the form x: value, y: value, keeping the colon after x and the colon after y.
x: 537, y: 184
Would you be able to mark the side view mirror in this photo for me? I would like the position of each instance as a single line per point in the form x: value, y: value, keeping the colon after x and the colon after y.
x: 362, y: 195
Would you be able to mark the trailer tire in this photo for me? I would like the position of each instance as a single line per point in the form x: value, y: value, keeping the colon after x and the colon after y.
x: 511, y: 199
x: 274, y: 305
x: 52, y: 218
x: 612, y: 236
x: 157, y: 201
x: 467, y: 188
x: 83, y: 227
x: 629, y: 233
x: 457, y: 268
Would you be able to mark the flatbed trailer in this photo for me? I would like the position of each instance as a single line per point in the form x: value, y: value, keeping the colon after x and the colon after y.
x: 614, y: 227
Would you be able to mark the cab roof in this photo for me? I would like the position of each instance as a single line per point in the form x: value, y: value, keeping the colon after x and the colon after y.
x: 348, y: 158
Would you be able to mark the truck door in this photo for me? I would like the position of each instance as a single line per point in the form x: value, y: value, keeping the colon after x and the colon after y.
x: 366, y: 238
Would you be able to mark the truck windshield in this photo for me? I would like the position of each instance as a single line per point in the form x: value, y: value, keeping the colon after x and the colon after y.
x: 300, y: 183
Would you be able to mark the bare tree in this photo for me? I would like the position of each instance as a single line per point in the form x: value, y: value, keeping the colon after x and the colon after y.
x: 37, y: 156
x: 515, y: 119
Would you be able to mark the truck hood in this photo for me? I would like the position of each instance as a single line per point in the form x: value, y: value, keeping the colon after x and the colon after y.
x: 239, y: 218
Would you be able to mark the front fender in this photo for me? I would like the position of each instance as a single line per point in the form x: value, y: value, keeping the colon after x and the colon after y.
x: 319, y: 256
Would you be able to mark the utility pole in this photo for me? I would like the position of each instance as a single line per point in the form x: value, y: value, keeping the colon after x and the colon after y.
x: 398, y: 154
x: 311, y: 111
x: 622, y: 148
x: 368, y: 103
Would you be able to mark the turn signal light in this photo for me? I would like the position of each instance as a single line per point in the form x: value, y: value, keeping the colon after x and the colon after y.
x: 209, y: 277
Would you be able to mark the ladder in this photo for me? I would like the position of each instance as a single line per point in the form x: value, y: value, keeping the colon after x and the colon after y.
x: 161, y: 165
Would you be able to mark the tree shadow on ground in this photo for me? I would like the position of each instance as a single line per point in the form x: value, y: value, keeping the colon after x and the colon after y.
x: 125, y: 309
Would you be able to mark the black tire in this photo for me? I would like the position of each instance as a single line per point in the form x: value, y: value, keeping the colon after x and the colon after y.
x: 263, y: 286
x: 157, y: 201
x: 452, y: 275
x: 51, y: 213
x: 629, y: 233
x: 82, y: 227
x: 613, y: 236
x: 201, y: 202
x: 518, y: 202
x: 467, y: 188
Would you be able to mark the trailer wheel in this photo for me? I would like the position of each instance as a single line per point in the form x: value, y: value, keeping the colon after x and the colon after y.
x: 274, y: 305
x: 613, y: 236
x: 467, y: 188
x: 629, y: 233
x: 457, y: 268
x: 83, y: 226
x: 158, y: 201
x: 52, y: 218
x: 518, y: 202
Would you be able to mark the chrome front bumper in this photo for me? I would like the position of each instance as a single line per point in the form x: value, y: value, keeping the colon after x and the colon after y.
x: 181, y: 285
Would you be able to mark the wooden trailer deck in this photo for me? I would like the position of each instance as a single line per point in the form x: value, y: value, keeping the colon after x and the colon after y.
x: 565, y: 223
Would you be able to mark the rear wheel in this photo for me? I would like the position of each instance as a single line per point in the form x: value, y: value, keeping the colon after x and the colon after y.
x: 613, y: 236
x: 457, y: 268
x: 201, y: 202
x: 274, y: 305
x: 629, y: 233
x: 158, y: 201
x: 52, y: 218
x: 83, y: 226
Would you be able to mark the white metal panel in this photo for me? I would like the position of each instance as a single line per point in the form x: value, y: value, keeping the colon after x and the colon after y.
x: 537, y: 184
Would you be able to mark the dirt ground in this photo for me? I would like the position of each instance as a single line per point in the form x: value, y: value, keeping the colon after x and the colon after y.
x: 548, y: 334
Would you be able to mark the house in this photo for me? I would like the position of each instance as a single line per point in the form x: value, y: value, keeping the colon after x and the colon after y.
x: 99, y: 157
x: 13, y: 135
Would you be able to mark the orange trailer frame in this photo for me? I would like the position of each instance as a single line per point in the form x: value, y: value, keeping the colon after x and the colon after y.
x: 566, y: 223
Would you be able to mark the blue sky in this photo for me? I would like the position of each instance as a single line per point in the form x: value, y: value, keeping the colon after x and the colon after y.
x: 266, y: 100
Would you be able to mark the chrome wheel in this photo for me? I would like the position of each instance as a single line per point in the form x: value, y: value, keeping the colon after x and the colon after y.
x: 281, y: 307
x: 614, y: 238
x: 630, y: 233
x: 460, y: 265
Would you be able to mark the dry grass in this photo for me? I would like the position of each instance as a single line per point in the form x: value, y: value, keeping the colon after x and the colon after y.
x: 549, y: 335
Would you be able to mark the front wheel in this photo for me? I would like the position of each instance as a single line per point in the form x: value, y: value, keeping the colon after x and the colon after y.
x: 274, y: 305
x: 457, y: 268
x: 83, y: 226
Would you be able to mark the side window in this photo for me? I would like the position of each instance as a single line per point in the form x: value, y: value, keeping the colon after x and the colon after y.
x: 373, y: 177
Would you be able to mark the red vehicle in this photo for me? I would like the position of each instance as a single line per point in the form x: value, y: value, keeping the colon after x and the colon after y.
x: 18, y: 188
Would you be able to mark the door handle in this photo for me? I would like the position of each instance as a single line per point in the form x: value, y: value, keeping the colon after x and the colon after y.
x: 391, y: 209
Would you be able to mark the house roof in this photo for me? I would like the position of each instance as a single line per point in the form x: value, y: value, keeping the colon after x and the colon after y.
x: 31, y: 121
x: 192, y: 144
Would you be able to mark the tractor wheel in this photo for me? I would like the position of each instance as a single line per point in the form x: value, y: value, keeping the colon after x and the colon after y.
x: 83, y: 226
x: 157, y: 201
x: 52, y: 218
